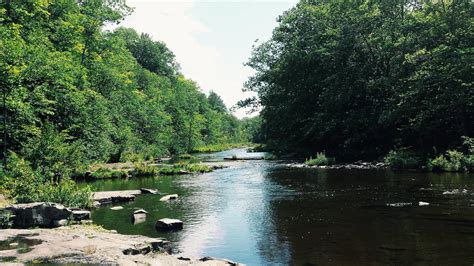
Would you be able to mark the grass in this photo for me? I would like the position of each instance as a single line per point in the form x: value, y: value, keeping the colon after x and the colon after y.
x: 106, y: 173
x: 220, y: 147
x: 174, y: 169
x: 320, y: 160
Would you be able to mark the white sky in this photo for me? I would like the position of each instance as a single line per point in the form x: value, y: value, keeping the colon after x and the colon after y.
x: 211, y: 39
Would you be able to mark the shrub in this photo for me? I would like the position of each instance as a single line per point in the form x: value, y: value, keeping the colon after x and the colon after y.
x: 320, y: 160
x: 452, y: 161
x: 6, y: 220
x: 25, y: 185
x: 402, y: 159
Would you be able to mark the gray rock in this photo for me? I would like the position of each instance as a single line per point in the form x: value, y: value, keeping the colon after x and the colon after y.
x: 169, y: 197
x: 140, y: 211
x: 167, y: 224
x: 79, y: 215
x: 58, y: 223
x: 148, y: 191
x: 41, y: 214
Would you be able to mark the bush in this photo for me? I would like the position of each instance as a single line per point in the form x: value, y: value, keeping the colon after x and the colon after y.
x: 402, y: 159
x: 320, y: 160
x: 6, y: 220
x: 452, y: 161
x: 25, y: 185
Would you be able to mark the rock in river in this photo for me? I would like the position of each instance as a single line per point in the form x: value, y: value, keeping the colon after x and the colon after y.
x: 148, y: 191
x: 44, y: 214
x: 167, y: 224
x: 169, y: 197
x: 116, y: 208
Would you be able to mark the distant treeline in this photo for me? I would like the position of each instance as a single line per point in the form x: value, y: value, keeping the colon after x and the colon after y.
x: 73, y: 93
x: 359, y: 78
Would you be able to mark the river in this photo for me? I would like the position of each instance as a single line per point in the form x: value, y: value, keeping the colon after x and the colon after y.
x: 266, y: 213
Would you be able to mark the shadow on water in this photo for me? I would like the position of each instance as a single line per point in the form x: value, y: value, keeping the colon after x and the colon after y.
x: 264, y: 213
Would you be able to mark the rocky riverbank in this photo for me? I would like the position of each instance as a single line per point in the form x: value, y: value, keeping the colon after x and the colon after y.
x: 82, y: 244
x: 349, y: 166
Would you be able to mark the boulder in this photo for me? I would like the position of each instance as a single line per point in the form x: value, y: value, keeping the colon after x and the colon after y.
x: 140, y: 211
x: 41, y: 214
x: 167, y: 224
x: 139, y: 216
x: 148, y: 191
x: 58, y: 223
x: 169, y: 197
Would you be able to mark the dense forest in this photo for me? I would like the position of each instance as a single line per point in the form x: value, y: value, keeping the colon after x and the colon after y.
x: 73, y: 93
x: 357, y: 79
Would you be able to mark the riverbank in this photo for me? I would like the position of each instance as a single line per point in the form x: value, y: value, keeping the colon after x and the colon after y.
x: 90, y: 245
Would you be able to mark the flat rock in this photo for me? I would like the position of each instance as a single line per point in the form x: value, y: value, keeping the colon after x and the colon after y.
x: 107, y: 197
x: 169, y: 197
x: 140, y: 211
x: 116, y: 208
x: 168, y: 224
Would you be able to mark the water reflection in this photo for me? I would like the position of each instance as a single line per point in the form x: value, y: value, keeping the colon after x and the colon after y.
x: 262, y: 213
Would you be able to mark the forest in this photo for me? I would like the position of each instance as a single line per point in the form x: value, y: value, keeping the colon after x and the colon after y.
x: 73, y: 93
x: 357, y: 79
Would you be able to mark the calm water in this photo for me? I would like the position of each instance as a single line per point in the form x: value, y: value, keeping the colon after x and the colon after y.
x: 263, y: 213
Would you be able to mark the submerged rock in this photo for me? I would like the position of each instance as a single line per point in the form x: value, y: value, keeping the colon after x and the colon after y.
x: 169, y: 197
x: 422, y: 203
x: 400, y: 204
x: 167, y: 224
x: 116, y: 208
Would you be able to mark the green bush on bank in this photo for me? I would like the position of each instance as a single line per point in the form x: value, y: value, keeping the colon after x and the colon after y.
x: 402, y: 159
x: 320, y: 160
x: 24, y: 185
x: 454, y: 160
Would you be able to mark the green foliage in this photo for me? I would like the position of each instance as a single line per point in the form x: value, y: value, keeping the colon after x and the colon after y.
x: 402, y: 159
x: 320, y: 160
x: 6, y: 220
x: 174, y: 169
x: 219, y: 147
x: 452, y: 161
x: 356, y: 78
x: 25, y: 185
x: 74, y: 94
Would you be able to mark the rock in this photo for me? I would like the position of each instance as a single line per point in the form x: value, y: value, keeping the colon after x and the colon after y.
x: 79, y: 215
x: 167, y: 224
x: 183, y: 172
x: 116, y: 208
x: 455, y: 192
x: 41, y: 214
x: 148, y: 191
x: 108, y: 197
x: 169, y: 197
x: 139, y: 216
x: 162, y: 246
x: 216, y: 261
x: 96, y: 204
x: 130, y: 251
x: 400, y: 204
x: 422, y: 203
x: 140, y: 211
x: 58, y: 223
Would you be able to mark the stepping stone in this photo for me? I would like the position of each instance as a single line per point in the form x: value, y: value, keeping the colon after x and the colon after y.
x: 169, y: 197
x: 167, y: 224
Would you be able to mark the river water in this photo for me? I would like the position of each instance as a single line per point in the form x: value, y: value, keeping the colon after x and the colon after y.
x: 265, y: 213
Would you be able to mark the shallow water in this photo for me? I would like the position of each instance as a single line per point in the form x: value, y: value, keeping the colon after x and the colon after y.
x: 264, y: 213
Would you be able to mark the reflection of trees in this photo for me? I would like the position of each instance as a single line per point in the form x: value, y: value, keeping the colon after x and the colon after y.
x: 353, y: 228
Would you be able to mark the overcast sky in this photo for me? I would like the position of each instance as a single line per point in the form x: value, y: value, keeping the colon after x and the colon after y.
x: 211, y: 39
